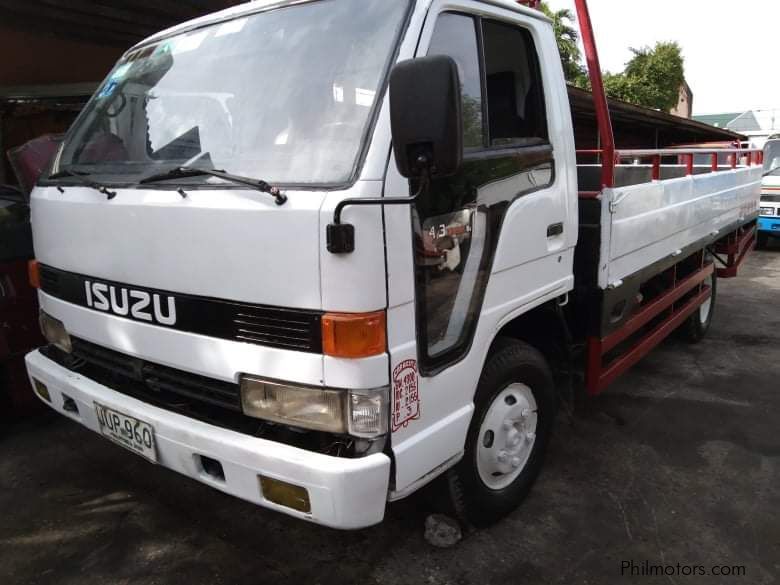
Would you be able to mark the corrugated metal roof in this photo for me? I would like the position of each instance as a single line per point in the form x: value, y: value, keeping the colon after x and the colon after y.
x: 120, y: 23
x: 626, y: 116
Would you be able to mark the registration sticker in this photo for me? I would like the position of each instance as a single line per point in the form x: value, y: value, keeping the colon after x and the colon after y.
x: 108, y: 88
x: 406, y: 394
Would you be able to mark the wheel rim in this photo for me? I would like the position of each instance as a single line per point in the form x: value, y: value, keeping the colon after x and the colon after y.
x: 706, y: 306
x: 507, y: 436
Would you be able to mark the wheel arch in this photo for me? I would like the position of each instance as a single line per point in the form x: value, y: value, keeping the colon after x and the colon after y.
x: 543, y: 328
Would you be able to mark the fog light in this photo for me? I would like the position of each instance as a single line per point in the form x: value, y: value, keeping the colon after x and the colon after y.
x: 362, y: 413
x: 41, y: 390
x: 54, y: 332
x: 285, y: 494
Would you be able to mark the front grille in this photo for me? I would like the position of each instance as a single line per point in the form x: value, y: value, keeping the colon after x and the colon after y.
x: 50, y: 280
x: 199, y: 397
x: 278, y: 327
x: 270, y: 327
x: 168, y: 385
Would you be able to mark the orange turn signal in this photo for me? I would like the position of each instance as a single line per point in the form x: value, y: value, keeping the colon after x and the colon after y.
x: 34, y: 273
x: 354, y: 335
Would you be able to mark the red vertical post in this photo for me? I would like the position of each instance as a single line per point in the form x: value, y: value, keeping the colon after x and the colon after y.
x: 749, y: 157
x: 733, y: 160
x: 714, y: 162
x: 689, y: 164
x: 599, y: 96
x: 656, y: 167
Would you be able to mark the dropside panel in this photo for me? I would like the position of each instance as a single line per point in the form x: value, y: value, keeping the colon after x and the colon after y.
x: 646, y: 223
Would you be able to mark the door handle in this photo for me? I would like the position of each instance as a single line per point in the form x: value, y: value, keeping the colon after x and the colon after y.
x: 555, y: 229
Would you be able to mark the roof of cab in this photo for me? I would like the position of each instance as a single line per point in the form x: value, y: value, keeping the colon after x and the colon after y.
x: 261, y: 5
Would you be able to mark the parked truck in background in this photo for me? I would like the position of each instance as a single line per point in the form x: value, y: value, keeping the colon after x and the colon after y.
x: 769, y: 222
x: 318, y: 254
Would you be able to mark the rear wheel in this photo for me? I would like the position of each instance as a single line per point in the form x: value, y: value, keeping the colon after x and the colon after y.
x: 699, y: 322
x: 514, y: 411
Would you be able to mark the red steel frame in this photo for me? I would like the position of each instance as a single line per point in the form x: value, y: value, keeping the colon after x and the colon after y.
x: 603, y: 118
x: 752, y: 157
x: 736, y: 246
x: 598, y: 374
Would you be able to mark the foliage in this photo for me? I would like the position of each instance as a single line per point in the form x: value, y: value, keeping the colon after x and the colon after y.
x: 652, y: 77
x: 567, y: 37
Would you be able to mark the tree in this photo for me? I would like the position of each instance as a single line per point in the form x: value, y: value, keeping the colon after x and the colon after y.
x: 652, y: 77
x: 567, y: 38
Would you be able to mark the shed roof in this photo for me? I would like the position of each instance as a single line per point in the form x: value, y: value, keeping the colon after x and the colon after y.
x: 120, y: 23
x: 630, y: 119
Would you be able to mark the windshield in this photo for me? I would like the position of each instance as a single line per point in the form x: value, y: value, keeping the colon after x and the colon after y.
x: 283, y: 95
x: 772, y: 157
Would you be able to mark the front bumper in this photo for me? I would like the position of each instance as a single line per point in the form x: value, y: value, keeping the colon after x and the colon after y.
x: 344, y: 493
x: 769, y: 224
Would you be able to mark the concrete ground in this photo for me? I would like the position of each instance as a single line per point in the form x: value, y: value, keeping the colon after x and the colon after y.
x: 679, y: 462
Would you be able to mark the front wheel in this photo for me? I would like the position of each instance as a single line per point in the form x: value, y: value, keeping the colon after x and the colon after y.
x: 515, y: 407
x: 762, y: 239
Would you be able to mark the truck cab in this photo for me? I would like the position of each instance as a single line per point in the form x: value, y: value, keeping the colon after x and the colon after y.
x: 318, y: 254
x: 769, y: 222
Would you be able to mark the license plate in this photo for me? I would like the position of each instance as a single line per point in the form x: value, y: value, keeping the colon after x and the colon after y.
x: 133, y: 434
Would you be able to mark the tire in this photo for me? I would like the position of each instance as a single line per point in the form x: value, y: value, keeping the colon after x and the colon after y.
x: 762, y: 239
x: 697, y: 325
x: 515, y: 405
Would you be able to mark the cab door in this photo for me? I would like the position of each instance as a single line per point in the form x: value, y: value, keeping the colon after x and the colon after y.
x: 484, y: 243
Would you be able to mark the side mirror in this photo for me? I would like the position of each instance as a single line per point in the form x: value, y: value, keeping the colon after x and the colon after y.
x: 425, y: 114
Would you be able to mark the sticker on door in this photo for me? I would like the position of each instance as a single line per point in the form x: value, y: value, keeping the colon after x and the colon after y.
x: 406, y: 396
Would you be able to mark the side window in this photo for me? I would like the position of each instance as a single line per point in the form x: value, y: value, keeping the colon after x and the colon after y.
x: 457, y: 221
x: 455, y: 35
x: 515, y: 98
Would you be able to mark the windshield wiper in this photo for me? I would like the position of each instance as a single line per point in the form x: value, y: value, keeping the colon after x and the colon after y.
x: 184, y: 172
x: 82, y: 175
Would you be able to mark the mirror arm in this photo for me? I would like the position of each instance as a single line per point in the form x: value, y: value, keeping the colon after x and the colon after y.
x: 341, y: 236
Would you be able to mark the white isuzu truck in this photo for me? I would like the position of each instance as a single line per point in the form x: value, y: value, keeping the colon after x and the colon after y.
x: 319, y: 253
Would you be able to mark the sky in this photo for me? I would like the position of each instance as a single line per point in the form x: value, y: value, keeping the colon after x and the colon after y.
x: 731, y: 49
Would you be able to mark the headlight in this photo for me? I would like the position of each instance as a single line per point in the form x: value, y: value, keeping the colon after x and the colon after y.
x: 54, y: 332
x: 767, y: 211
x: 361, y: 413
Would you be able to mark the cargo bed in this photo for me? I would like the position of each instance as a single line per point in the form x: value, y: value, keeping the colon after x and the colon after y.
x: 640, y: 222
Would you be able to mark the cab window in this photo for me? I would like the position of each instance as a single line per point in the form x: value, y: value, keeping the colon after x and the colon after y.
x: 457, y: 222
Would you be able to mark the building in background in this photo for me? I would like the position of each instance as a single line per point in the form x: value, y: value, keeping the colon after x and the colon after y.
x: 758, y: 125
x: 684, y: 107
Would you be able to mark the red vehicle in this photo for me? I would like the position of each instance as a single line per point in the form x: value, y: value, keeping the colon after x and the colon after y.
x: 19, y: 331
x: 18, y: 302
